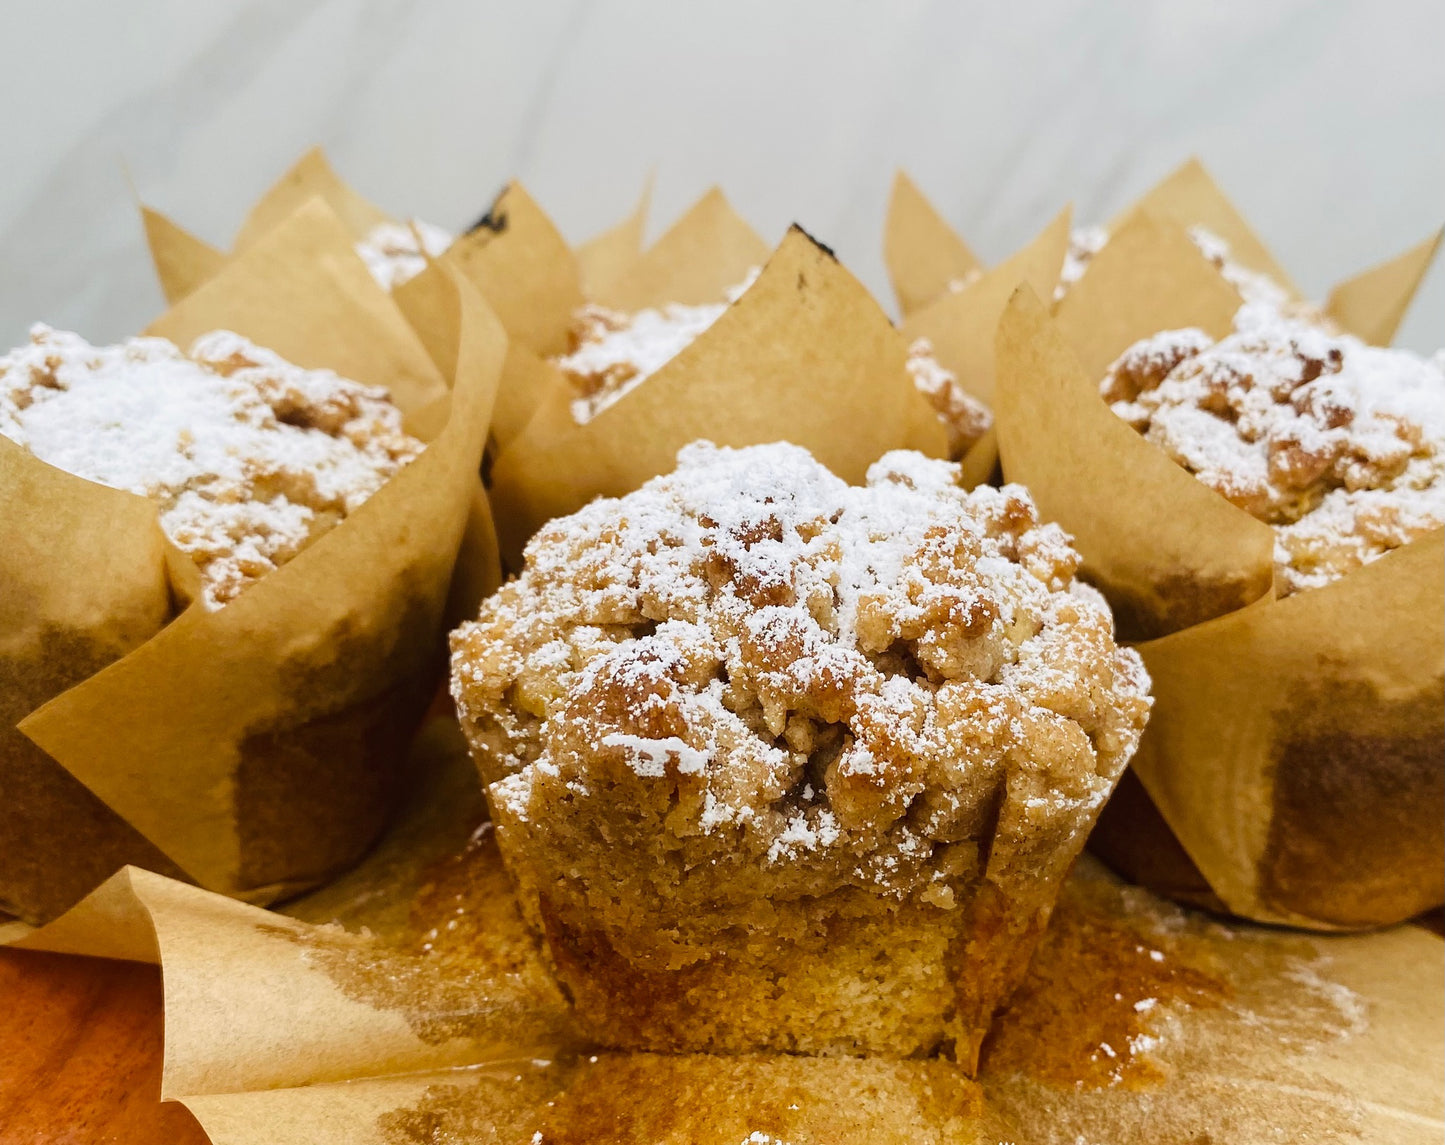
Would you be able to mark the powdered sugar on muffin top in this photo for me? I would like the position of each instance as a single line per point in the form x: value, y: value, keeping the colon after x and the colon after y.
x: 1338, y: 444
x: 396, y: 252
x: 613, y: 352
x: 248, y: 457
x: 825, y: 666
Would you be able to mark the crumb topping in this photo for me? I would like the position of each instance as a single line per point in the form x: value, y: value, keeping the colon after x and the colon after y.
x: 829, y: 681
x: 393, y: 254
x: 248, y: 457
x: 1337, y: 444
x: 965, y: 417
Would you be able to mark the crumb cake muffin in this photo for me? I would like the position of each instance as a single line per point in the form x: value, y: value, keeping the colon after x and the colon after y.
x: 393, y: 253
x: 247, y: 457
x: 611, y: 352
x: 781, y: 763
x: 1339, y: 445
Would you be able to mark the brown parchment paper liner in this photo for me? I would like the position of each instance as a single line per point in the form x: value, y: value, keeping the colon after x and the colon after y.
x: 1295, y: 746
x: 259, y: 747
x: 923, y: 254
x: 82, y: 582
x: 183, y: 261
x: 805, y: 355
x: 284, y: 1030
x: 519, y: 261
x: 709, y: 249
x: 602, y: 259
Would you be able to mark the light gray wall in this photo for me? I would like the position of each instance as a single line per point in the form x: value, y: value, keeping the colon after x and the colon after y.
x: 1325, y: 120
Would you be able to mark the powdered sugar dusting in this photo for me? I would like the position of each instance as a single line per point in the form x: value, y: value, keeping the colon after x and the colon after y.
x: 1338, y: 444
x: 393, y: 254
x: 247, y: 456
x: 819, y: 663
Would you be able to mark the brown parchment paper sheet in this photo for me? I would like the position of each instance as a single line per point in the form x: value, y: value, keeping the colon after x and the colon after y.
x: 602, y: 259
x: 183, y: 262
x: 1372, y: 304
x: 258, y: 747
x: 1320, y: 800
x: 709, y: 249
x: 281, y: 1030
x: 923, y: 254
x: 83, y: 581
x: 805, y: 355
x: 519, y: 261
x: 1307, y: 787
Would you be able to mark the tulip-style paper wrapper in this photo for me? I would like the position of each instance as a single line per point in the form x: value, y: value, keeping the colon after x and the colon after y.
x: 804, y: 355
x: 604, y: 258
x: 183, y: 262
x: 1295, y: 745
x: 427, y: 1017
x: 257, y: 748
x: 925, y: 256
x: 522, y: 265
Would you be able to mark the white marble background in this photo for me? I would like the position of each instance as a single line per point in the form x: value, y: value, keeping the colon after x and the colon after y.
x: 1325, y: 120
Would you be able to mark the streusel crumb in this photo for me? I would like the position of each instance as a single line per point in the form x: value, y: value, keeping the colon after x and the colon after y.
x: 248, y: 457
x: 778, y: 762
x: 1337, y: 444
x: 965, y: 417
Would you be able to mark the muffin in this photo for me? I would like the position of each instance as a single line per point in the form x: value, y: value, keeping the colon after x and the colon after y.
x: 1336, y: 444
x: 247, y: 457
x: 611, y: 352
x: 781, y: 763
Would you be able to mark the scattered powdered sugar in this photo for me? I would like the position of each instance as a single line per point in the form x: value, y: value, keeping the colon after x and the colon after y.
x: 966, y: 418
x: 393, y: 254
x: 613, y: 352
x: 821, y: 663
x: 1338, y: 444
x: 1084, y: 244
x: 247, y: 456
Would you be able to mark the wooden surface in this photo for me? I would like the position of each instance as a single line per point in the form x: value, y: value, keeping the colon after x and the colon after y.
x: 80, y: 1054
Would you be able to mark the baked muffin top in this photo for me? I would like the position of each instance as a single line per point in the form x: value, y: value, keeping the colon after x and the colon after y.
x: 248, y: 457
x: 832, y: 681
x: 1337, y: 444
